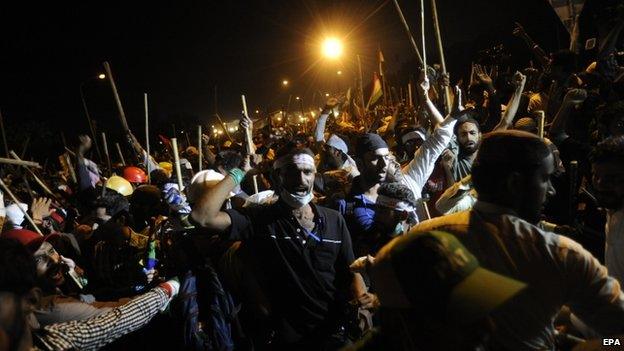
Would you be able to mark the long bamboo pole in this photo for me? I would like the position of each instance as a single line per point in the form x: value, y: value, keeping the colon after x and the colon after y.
x: 176, y: 158
x: 408, y: 32
x: 436, y: 26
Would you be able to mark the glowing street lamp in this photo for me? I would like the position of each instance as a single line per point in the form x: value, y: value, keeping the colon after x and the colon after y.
x: 332, y: 48
x: 297, y: 98
x: 102, y: 76
x: 285, y: 82
x: 326, y: 94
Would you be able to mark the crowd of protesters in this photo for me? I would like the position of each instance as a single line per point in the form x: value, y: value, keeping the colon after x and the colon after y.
x: 491, y: 223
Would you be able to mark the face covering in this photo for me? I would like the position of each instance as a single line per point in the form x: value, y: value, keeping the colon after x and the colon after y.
x: 295, y: 201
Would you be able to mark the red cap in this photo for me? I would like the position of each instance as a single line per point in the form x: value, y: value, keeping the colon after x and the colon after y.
x: 28, y: 238
x: 134, y: 174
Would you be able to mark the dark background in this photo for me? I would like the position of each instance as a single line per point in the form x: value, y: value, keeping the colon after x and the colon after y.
x: 178, y: 53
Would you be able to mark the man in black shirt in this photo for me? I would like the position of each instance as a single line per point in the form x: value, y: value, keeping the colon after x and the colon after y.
x: 303, y: 251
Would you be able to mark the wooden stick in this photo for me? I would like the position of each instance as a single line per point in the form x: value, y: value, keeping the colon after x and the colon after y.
x: 361, y: 84
x: 188, y: 139
x: 108, y: 161
x: 122, y: 114
x: 407, y: 30
x: 90, y: 122
x: 436, y: 26
x: 25, y: 147
x: 176, y: 158
x: 72, y: 172
x: 422, y: 33
x: 255, y: 183
x: 409, y: 94
x: 540, y: 124
x: 573, y: 193
x: 11, y: 161
x: 224, y: 128
x: 4, y: 139
x: 147, y: 142
x: 248, y: 131
x: 35, y: 177
x: 199, y: 149
x: 121, y: 157
x: 6, y: 189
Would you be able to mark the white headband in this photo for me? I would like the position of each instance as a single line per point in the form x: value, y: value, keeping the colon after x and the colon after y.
x: 413, y: 135
x: 296, y: 159
x: 394, y: 204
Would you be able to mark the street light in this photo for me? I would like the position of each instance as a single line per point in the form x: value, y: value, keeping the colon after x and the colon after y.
x: 339, y: 73
x: 326, y: 94
x: 102, y: 76
x: 297, y: 98
x: 285, y: 82
x: 332, y: 48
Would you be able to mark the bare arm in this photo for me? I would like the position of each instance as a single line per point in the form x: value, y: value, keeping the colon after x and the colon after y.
x: 541, y: 56
x: 423, y: 90
x: 507, y: 118
x: 572, y: 98
x: 207, y: 211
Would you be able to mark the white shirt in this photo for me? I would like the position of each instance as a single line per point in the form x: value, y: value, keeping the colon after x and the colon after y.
x: 614, y: 245
x: 419, y: 169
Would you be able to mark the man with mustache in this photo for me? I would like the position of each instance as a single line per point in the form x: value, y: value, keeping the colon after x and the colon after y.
x: 468, y: 136
x: 299, y: 253
x: 511, y: 174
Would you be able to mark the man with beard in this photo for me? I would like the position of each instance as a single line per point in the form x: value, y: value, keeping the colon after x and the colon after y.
x: 608, y: 182
x: 468, y: 137
x: 375, y: 163
x: 512, y: 173
x: 20, y: 296
x: 300, y: 253
x: 55, y: 278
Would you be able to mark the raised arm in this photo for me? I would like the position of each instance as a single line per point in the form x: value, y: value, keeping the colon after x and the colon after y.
x: 319, y: 131
x: 507, y: 118
x: 541, y: 56
x: 423, y: 90
x: 571, y: 99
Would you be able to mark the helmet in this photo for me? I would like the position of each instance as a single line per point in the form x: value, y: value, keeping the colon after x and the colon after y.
x: 134, y: 175
x: 206, y: 177
x: 120, y: 185
x: 167, y: 167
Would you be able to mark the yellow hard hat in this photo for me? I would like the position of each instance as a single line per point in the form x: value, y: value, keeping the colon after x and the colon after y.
x: 167, y: 167
x: 120, y: 185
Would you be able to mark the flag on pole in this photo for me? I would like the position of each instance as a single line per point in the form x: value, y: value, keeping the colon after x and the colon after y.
x: 377, y: 91
x: 567, y: 10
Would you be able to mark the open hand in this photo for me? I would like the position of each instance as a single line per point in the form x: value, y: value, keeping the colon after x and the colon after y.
x: 40, y: 208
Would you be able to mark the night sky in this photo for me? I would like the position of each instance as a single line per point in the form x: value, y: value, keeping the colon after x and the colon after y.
x: 178, y: 52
